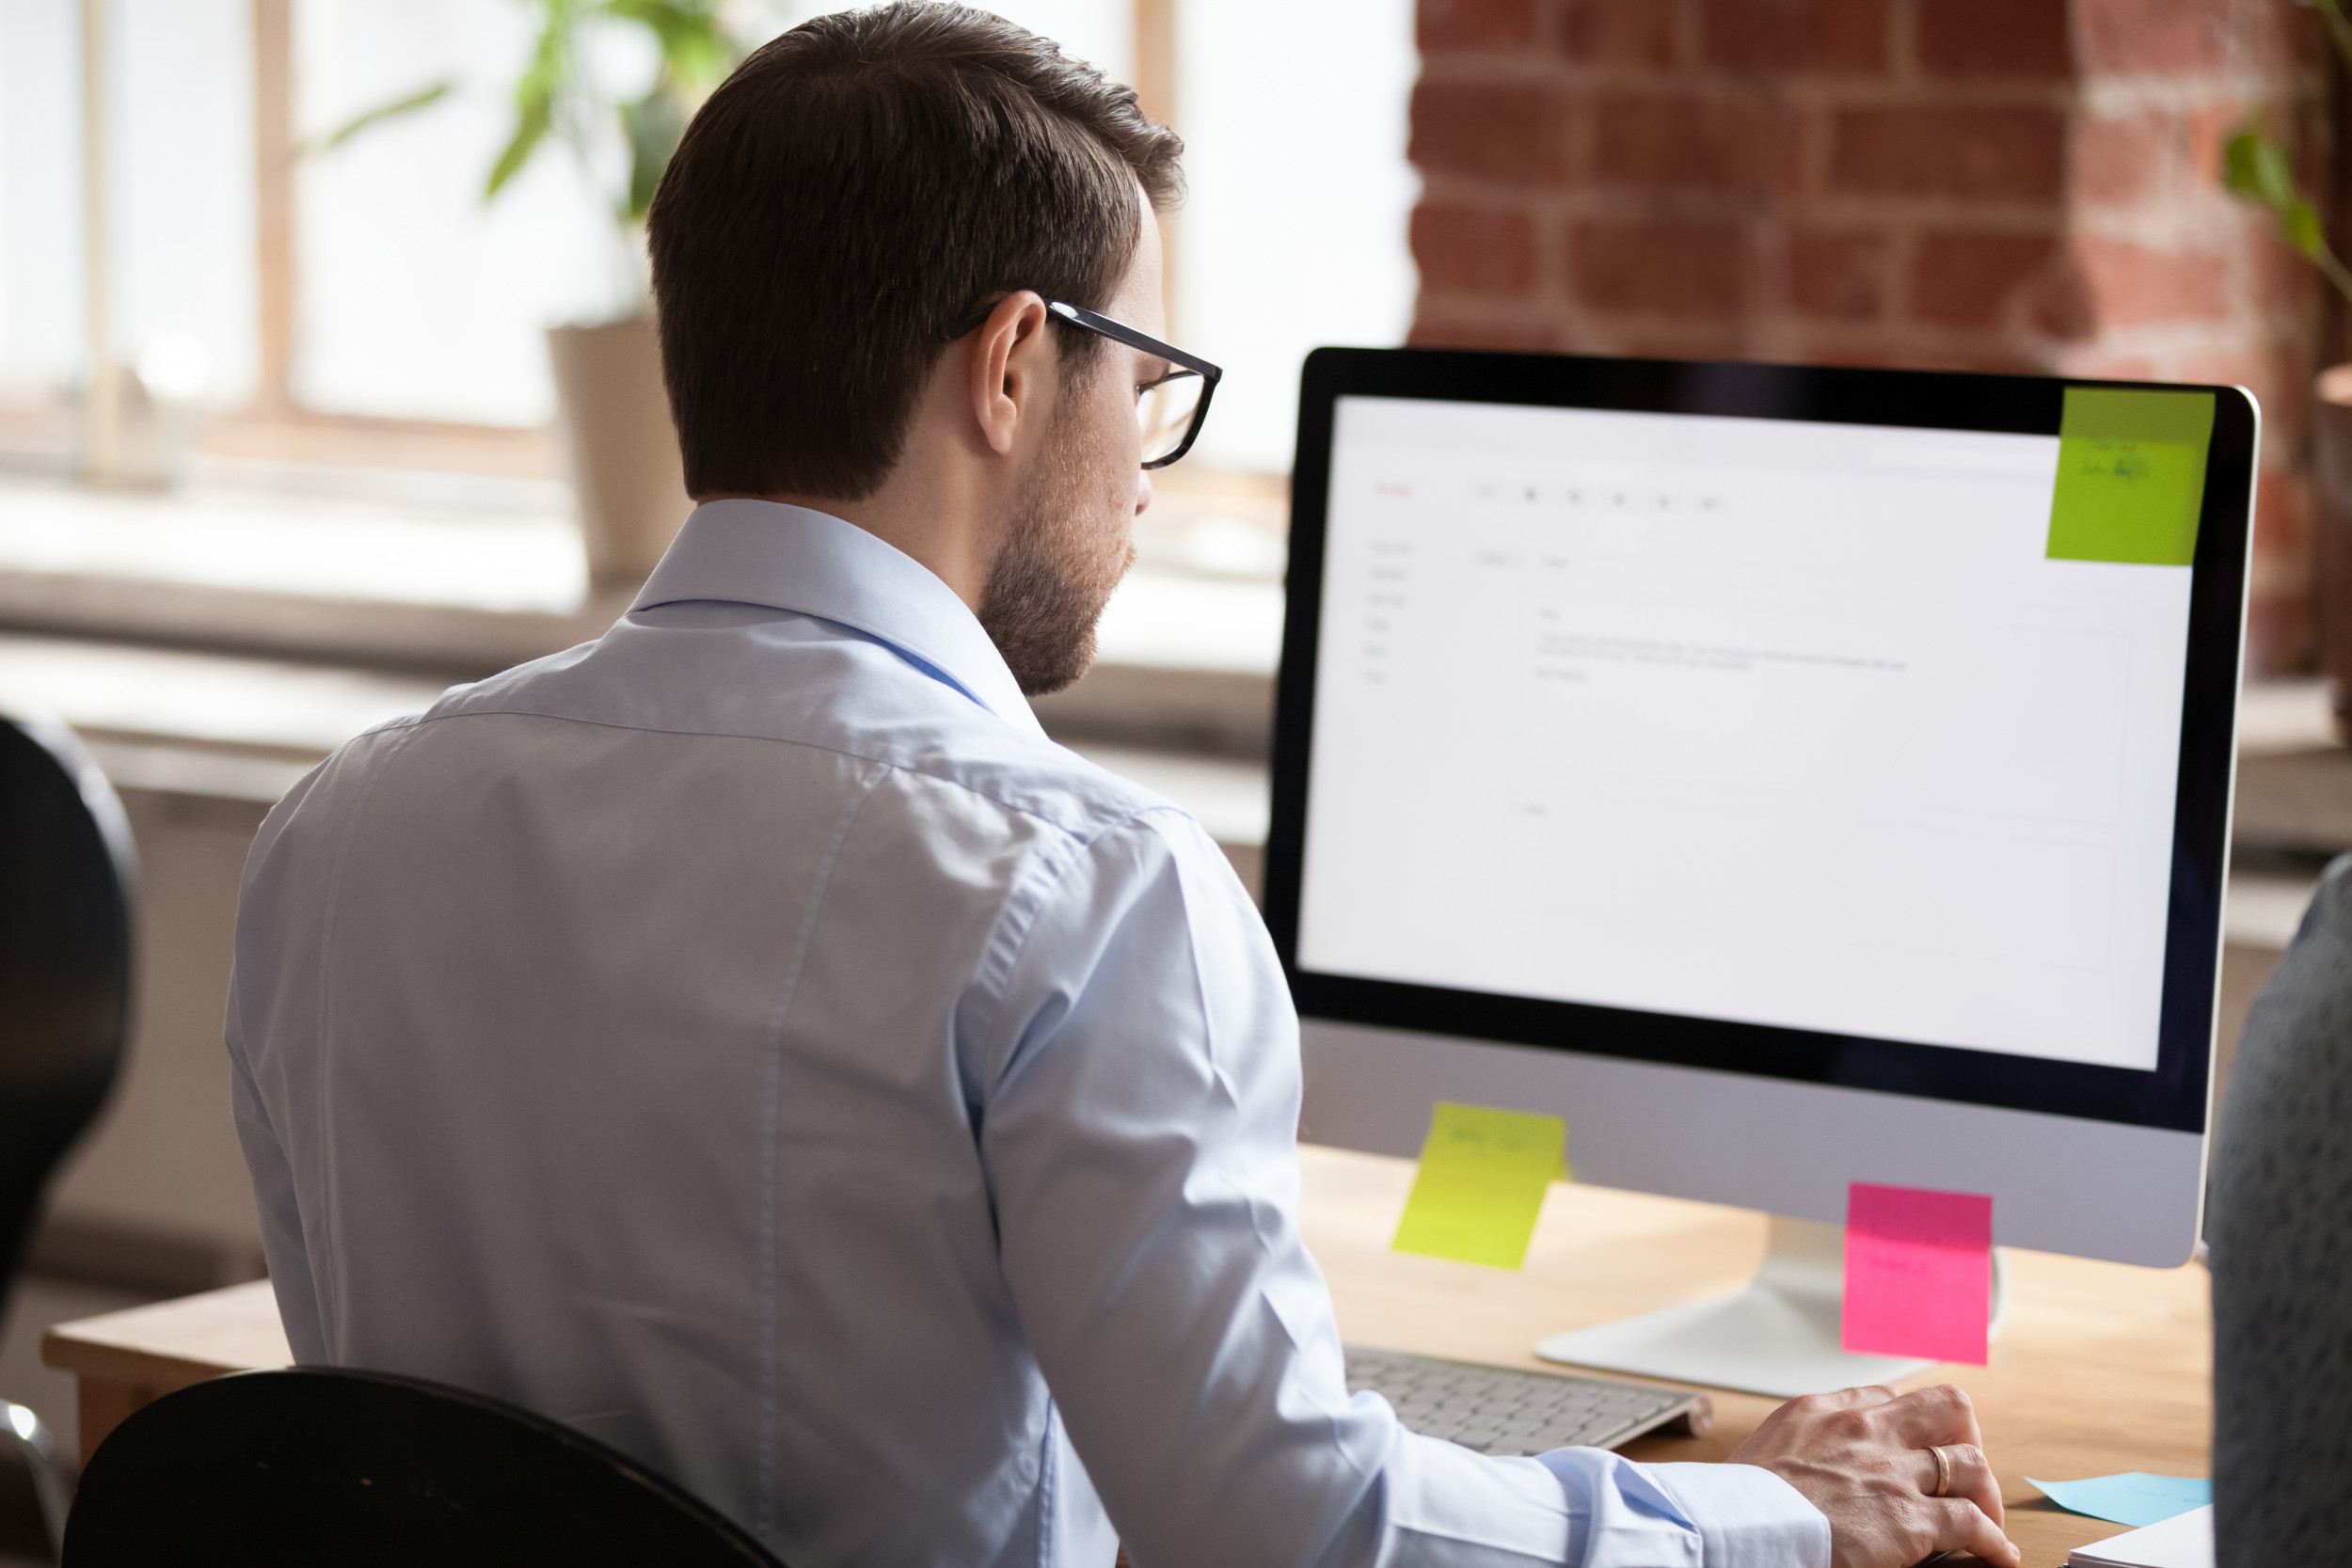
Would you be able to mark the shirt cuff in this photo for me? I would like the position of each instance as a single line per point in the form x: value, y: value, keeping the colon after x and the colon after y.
x: 1747, y: 1516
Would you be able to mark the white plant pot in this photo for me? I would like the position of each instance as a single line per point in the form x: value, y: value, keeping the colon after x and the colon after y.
x: 153, y: 437
x: 622, y: 449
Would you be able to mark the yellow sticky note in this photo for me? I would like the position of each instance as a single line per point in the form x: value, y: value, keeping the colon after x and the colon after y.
x: 1480, y: 1185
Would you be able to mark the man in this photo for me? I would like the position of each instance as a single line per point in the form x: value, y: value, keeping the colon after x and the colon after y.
x: 749, y: 1039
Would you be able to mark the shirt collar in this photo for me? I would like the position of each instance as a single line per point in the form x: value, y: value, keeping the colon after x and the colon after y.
x: 814, y: 564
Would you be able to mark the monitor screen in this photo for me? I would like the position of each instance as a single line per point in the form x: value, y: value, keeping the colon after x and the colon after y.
x: 1816, y: 728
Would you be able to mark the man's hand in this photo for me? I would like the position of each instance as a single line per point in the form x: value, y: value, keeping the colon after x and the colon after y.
x: 1861, y: 1457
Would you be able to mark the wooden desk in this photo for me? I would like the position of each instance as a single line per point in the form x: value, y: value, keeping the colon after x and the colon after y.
x: 2101, y: 1368
x: 123, y: 1360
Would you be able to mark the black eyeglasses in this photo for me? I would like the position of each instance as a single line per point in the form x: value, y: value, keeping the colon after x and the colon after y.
x: 1169, y: 411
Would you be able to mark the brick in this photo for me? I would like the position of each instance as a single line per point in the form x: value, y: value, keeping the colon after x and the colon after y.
x: 2122, y: 158
x: 1706, y: 342
x: 1838, y: 276
x: 1685, y: 269
x: 2130, y: 284
x: 2060, y: 306
x: 2152, y: 37
x: 2098, y: 364
x: 1471, y: 250
x: 2280, y: 378
x: 2021, y: 39
x: 1477, y: 24
x: 2204, y: 134
x: 2278, y: 632
x: 1508, y: 132
x: 2282, y: 38
x: 1695, y: 142
x: 1636, y: 33
x: 1943, y: 357
x: 1974, y: 360
x: 1970, y: 280
x: 2282, y: 522
x: 1994, y: 363
x: 1846, y: 38
x: 2286, y: 397
x: 1975, y: 155
x: 2282, y: 633
x: 1860, y: 357
x: 1532, y: 336
x: 2284, y: 279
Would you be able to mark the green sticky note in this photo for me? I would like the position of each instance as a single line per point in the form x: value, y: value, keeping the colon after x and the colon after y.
x: 1480, y: 1185
x: 2131, y: 476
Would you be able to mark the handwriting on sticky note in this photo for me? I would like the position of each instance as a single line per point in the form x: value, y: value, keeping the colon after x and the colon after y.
x: 2134, y: 1498
x: 1481, y: 1184
x: 1918, y: 1273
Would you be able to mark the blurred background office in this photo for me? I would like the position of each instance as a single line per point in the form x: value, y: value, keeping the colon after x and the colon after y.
x: 296, y: 427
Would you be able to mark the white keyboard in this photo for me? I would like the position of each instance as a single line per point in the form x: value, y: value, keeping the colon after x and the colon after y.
x: 1499, y: 1412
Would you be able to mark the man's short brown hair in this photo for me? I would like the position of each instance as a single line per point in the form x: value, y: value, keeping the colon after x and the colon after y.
x: 859, y: 185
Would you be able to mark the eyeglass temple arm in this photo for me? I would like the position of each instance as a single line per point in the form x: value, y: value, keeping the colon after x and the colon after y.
x: 1117, y: 331
x: 1121, y: 332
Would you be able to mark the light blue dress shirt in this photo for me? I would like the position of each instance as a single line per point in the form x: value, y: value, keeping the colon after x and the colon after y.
x: 749, y: 1039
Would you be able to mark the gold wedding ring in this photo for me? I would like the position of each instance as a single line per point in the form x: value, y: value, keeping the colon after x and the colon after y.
x: 1943, y: 1473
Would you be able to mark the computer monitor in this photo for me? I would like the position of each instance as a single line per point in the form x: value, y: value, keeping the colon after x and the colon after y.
x: 1789, y: 776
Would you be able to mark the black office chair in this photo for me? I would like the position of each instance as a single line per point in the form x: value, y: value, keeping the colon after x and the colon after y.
x: 66, y: 871
x: 290, y: 1469
x: 2280, y: 1225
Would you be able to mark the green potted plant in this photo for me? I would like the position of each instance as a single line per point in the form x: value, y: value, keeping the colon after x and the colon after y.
x: 619, y: 442
x: 2259, y: 169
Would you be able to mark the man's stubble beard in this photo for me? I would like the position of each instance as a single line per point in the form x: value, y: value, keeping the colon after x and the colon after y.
x: 1056, y: 572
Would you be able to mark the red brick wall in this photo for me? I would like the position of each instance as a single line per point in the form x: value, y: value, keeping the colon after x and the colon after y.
x: 1999, y: 184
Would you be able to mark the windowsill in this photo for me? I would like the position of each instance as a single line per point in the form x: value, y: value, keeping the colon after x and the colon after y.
x: 460, y: 576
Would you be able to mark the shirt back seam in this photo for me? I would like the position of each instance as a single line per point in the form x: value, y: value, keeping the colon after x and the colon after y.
x: 1128, y: 812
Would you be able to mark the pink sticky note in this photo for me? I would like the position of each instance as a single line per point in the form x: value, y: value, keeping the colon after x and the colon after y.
x: 1918, y: 1273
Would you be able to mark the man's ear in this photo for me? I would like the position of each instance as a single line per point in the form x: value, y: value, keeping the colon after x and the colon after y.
x: 1010, y: 366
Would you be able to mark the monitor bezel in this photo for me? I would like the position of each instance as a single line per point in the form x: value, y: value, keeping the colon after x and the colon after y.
x: 2173, y: 1095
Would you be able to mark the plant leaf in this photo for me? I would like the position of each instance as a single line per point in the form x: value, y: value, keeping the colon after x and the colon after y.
x: 696, y: 49
x: 2260, y: 169
x: 654, y: 124
x: 2304, y: 229
x: 2239, y: 155
x: 2334, y: 272
x: 549, y: 75
x: 422, y: 97
x: 531, y: 128
x: 2274, y: 174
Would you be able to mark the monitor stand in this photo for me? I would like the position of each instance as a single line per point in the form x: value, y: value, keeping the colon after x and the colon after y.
x: 1778, y: 1336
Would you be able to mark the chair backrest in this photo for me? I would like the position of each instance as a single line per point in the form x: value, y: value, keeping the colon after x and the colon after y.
x: 2280, y: 1225
x: 312, y: 1464
x: 66, y: 877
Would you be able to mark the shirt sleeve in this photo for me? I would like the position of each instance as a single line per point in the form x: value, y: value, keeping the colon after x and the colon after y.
x: 261, y: 1133
x: 1621, y: 1513
x: 1138, y: 1088
x: 274, y: 1196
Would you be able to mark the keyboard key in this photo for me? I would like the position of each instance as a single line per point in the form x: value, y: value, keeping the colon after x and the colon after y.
x: 1494, y: 1410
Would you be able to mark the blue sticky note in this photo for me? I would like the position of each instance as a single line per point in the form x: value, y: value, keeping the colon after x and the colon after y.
x: 2134, y: 1498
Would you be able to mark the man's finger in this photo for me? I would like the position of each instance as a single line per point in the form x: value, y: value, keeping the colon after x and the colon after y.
x: 1971, y: 1476
x: 1932, y: 1415
x: 1961, y: 1525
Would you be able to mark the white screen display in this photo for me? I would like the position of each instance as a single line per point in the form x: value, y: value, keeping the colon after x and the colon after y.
x: 1767, y: 721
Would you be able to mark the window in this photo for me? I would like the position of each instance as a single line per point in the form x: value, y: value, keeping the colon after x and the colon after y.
x: 181, y: 210
x: 415, y: 297
x: 1294, y: 234
x: 412, y: 299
